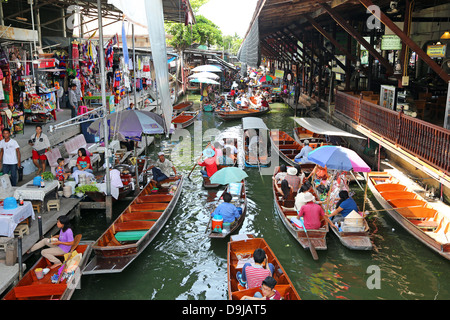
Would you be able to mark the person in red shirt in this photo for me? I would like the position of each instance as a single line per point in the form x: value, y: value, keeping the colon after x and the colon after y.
x: 209, y: 163
x: 311, y: 213
x: 83, y: 161
x: 253, y: 275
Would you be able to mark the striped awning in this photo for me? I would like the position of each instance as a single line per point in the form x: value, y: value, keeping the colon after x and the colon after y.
x: 250, y: 52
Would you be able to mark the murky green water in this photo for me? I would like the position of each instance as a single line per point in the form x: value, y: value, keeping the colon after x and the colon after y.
x: 183, y: 263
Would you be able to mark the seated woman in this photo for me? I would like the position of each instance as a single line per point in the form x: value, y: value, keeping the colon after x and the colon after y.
x: 60, y: 247
x: 344, y: 206
x: 83, y: 162
x: 287, y: 196
x: 281, y: 174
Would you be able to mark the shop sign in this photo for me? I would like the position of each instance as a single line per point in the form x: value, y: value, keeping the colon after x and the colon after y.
x: 391, y: 42
x: 436, y: 51
x: 18, y: 34
x: 279, y: 74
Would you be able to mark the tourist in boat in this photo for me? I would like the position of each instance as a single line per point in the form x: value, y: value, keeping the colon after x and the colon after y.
x: 162, y: 169
x: 268, y: 291
x: 344, y: 206
x: 281, y: 174
x: 286, y: 192
x: 83, y: 162
x: 311, y: 212
x: 224, y: 159
x: 293, y: 179
x: 233, y: 150
x: 302, y: 156
x: 252, y: 276
x: 229, y: 212
x: 9, y: 155
x: 58, y: 245
x: 40, y: 144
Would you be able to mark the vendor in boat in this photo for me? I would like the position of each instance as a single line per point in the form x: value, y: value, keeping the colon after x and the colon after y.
x: 209, y: 163
x: 58, y: 245
x: 318, y: 172
x: 229, y: 212
x: 162, y: 170
x: 302, y: 156
x: 344, y: 206
x: 311, y: 212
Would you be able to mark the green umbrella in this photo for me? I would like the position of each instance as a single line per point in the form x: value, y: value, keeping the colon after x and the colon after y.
x: 228, y: 175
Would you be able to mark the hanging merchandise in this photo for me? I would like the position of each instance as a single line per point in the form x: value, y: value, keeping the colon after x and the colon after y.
x: 117, y: 78
x: 124, y: 44
x: 75, y: 55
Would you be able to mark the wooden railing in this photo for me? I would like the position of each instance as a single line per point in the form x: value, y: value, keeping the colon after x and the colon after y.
x: 428, y: 142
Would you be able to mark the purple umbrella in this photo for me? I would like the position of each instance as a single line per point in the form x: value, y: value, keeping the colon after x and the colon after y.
x: 130, y: 124
x: 338, y: 158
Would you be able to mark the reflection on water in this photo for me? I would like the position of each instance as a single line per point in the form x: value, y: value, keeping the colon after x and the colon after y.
x: 184, y: 263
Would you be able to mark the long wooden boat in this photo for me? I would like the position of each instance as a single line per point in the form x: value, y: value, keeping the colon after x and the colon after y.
x: 32, y: 288
x: 317, y: 236
x: 286, y: 147
x: 135, y: 228
x: 251, y: 159
x: 240, y: 250
x: 412, y: 212
x: 239, y: 114
x: 183, y: 106
x: 240, y: 201
x: 184, y: 119
x: 301, y: 134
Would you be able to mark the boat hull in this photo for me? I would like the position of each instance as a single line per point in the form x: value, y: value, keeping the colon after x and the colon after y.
x: 246, y: 247
x: 143, y: 215
x: 414, y: 208
x: 239, y: 114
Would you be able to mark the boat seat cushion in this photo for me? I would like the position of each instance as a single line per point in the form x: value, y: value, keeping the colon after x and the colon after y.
x: 130, y: 235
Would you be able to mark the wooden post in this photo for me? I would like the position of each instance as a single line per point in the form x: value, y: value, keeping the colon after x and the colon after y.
x: 108, y: 204
x: 365, y: 192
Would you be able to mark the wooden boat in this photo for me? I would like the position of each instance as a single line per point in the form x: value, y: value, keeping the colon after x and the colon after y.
x: 301, y: 134
x: 183, y: 106
x: 412, y: 212
x: 287, y: 148
x: 31, y: 288
x: 317, y: 236
x: 240, y: 201
x: 135, y: 228
x: 239, y: 114
x: 184, y: 119
x: 206, y: 182
x: 354, y: 238
x: 259, y: 127
x: 240, y: 250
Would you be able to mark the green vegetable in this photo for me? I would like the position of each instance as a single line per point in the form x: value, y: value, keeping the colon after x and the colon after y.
x: 47, y: 175
x: 86, y: 188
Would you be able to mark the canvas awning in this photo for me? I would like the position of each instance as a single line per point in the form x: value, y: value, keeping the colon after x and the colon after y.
x: 321, y: 127
x: 253, y: 123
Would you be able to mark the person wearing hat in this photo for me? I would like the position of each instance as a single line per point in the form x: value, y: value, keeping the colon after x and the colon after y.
x: 311, y: 212
x: 210, y: 163
x: 293, y: 179
x: 161, y: 171
x: 302, y: 156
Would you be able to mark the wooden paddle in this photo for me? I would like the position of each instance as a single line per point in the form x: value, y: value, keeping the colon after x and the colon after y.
x: 196, y: 162
x: 311, y: 246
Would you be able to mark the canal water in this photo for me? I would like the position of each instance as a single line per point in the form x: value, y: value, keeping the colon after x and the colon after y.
x: 183, y: 263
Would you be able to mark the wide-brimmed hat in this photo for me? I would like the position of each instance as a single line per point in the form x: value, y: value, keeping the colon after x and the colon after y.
x: 308, y: 197
x: 208, y: 152
x: 292, y: 171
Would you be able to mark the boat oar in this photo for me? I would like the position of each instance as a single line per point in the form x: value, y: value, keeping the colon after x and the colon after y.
x: 311, y: 246
x: 196, y: 162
